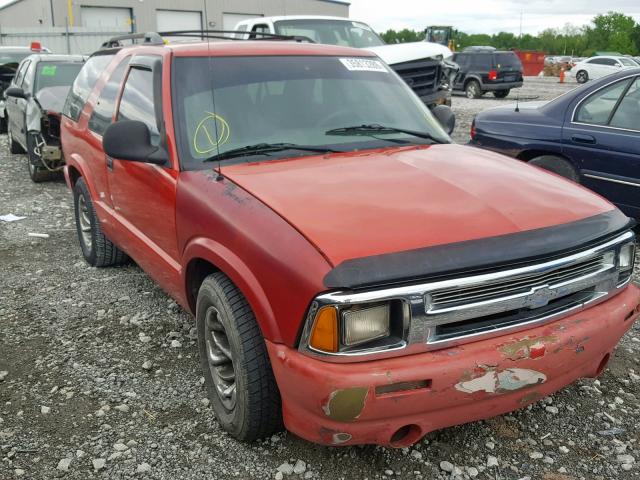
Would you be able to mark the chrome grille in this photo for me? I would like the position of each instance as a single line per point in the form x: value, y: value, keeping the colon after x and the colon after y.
x: 452, y: 297
x: 423, y: 76
x: 462, y: 309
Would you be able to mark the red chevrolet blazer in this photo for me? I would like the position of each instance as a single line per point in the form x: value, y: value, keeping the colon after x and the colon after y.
x: 353, y: 274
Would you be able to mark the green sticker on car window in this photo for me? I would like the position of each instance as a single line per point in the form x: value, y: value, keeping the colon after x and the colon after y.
x: 48, y: 71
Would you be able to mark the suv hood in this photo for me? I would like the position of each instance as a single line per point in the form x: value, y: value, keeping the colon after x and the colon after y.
x: 394, y: 200
x: 407, y: 52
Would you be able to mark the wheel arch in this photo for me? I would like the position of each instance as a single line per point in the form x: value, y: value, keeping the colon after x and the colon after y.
x: 471, y: 77
x: 528, y: 155
x: 205, y: 256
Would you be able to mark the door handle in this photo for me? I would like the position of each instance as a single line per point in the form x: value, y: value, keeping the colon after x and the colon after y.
x: 579, y: 138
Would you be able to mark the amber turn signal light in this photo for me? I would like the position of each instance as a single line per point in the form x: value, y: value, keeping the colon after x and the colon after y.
x: 324, y: 336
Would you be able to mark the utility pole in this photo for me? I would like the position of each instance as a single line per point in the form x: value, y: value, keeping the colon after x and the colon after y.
x: 521, y: 12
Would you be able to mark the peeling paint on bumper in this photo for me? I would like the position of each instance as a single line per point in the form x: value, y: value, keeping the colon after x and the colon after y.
x: 337, y: 404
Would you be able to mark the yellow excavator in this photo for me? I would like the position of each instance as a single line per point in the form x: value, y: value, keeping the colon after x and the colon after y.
x: 444, y: 35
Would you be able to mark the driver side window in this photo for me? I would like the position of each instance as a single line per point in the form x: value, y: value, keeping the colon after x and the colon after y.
x: 137, y: 101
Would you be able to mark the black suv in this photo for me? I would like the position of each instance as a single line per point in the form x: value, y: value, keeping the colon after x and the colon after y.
x: 484, y: 71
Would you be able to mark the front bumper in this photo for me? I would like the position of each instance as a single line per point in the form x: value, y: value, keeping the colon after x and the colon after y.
x: 348, y: 404
x: 439, y: 97
x: 491, y: 87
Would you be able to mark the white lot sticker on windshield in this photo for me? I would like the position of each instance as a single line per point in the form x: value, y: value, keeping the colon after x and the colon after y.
x: 364, y: 65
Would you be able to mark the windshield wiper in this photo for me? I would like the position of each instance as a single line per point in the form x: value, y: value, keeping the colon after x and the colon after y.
x: 266, y: 149
x: 375, y: 129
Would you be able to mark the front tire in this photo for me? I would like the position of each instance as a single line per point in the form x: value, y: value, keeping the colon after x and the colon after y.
x: 501, y: 93
x: 582, y: 76
x: 473, y: 89
x: 238, y: 375
x: 37, y: 172
x: 97, y: 249
x: 557, y: 165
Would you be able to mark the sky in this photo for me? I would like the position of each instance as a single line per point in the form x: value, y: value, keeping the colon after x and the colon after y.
x: 486, y: 16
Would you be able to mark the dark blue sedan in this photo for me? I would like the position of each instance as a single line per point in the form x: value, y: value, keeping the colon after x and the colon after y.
x: 590, y: 135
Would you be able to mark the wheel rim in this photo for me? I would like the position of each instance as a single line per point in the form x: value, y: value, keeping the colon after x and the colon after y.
x: 220, y: 358
x: 581, y: 76
x: 471, y: 91
x: 84, y: 219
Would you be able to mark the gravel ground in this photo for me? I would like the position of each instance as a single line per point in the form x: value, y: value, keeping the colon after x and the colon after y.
x: 93, y: 386
x: 534, y: 89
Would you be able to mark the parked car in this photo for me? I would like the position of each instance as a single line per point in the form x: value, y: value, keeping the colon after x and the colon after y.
x: 422, y: 65
x: 352, y: 272
x: 590, y: 135
x: 10, y: 58
x: 601, y: 66
x: 34, y: 102
x: 483, y: 71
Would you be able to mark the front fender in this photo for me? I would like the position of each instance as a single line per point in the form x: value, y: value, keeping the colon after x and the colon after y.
x: 231, y: 265
x: 33, y: 116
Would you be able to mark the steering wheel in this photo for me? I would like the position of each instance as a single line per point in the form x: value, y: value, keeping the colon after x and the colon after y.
x: 329, y: 119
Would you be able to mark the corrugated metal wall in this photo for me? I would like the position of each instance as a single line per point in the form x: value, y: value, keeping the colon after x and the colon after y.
x: 57, y: 39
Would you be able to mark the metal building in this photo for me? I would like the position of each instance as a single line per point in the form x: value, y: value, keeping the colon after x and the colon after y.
x: 155, y: 15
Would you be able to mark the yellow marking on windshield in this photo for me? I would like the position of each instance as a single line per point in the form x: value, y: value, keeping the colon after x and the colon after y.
x: 203, y: 141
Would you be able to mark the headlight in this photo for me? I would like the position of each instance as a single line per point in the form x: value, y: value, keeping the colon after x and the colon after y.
x: 337, y: 329
x: 365, y: 324
x: 626, y: 259
x: 627, y: 256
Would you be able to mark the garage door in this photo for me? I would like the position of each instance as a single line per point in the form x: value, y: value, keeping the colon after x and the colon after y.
x: 106, y: 18
x: 230, y: 20
x: 178, y: 20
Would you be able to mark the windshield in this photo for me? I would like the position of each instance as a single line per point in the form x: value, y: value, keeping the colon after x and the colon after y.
x: 225, y: 103
x: 331, y: 32
x: 55, y: 74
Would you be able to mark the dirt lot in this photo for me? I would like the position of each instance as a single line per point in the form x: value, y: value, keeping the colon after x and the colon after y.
x: 91, y: 387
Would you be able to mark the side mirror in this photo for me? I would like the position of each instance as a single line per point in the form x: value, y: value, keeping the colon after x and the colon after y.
x: 445, y: 117
x: 131, y: 140
x: 15, y: 92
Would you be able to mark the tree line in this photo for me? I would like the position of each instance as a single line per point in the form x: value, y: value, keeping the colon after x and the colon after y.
x: 612, y: 32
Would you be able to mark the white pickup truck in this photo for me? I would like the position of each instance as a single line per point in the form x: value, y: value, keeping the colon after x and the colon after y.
x: 421, y: 65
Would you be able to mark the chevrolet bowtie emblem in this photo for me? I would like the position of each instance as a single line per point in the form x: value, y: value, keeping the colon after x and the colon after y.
x: 541, y: 297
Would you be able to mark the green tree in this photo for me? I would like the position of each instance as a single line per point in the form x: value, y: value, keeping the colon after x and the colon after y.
x: 403, y: 36
x: 613, y: 31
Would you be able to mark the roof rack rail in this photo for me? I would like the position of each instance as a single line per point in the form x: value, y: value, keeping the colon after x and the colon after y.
x: 235, y: 35
x: 149, y: 38
x: 155, y: 38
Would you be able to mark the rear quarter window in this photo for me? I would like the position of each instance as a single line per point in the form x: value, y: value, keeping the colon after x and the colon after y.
x: 83, y: 85
x: 509, y: 59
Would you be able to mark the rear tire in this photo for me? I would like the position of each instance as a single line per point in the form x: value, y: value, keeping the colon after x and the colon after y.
x: 97, y: 249
x: 582, y: 76
x: 557, y: 165
x: 14, y: 147
x: 473, y: 90
x: 501, y: 93
x: 238, y: 375
x: 37, y: 171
